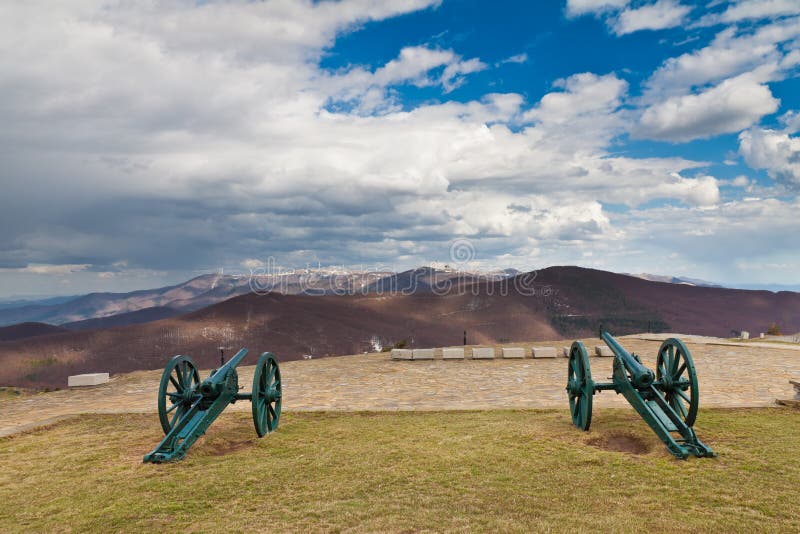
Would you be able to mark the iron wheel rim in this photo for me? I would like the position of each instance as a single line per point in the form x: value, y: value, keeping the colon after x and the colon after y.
x: 580, y: 388
x: 267, y: 395
x: 676, y: 373
x: 176, y: 391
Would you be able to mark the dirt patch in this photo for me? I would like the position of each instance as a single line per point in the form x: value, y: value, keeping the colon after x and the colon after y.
x: 222, y: 448
x: 620, y: 443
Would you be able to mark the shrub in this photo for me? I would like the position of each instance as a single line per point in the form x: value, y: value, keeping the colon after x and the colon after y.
x: 774, y: 330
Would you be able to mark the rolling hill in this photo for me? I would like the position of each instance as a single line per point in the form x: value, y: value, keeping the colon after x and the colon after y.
x: 554, y: 303
x: 26, y: 330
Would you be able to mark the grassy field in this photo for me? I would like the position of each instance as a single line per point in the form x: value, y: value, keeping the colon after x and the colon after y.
x: 447, y: 471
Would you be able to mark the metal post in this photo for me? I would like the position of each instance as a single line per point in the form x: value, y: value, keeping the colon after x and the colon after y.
x: 465, y: 337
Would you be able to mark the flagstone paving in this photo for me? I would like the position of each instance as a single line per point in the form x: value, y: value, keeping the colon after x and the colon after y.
x: 729, y: 376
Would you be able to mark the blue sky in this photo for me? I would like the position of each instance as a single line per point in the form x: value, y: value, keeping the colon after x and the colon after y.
x: 143, y: 144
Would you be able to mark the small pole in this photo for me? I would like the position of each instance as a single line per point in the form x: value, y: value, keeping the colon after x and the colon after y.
x: 221, y: 356
x: 465, y: 337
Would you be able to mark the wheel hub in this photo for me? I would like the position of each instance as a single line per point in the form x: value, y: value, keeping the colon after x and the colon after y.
x: 574, y: 387
x: 273, y: 394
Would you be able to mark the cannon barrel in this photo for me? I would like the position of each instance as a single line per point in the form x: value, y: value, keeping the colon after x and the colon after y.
x: 219, y: 376
x: 641, y: 376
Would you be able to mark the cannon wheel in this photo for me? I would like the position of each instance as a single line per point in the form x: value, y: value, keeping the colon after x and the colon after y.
x: 580, y: 387
x: 676, y: 373
x: 176, y: 392
x: 266, y: 396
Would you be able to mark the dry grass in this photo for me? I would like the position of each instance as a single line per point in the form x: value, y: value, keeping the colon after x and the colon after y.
x: 447, y: 471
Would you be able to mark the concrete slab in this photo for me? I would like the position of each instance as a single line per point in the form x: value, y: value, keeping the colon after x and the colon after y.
x: 544, y: 352
x: 565, y: 352
x: 90, y: 379
x: 483, y: 353
x: 423, y: 354
x: 402, y: 354
x: 513, y: 352
x: 452, y: 353
x: 603, y: 351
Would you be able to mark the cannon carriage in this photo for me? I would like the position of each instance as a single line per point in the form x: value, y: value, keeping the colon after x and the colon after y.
x: 187, y: 406
x: 667, y: 400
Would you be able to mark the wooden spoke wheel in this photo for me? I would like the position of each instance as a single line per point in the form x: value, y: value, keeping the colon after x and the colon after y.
x: 266, y: 396
x: 177, y: 391
x: 580, y: 387
x: 677, y: 377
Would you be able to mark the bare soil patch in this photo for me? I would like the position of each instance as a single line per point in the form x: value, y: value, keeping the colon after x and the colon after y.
x: 619, y: 442
x: 225, y: 447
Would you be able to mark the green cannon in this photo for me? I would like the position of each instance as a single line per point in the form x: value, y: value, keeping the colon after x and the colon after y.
x: 187, y: 407
x: 667, y: 400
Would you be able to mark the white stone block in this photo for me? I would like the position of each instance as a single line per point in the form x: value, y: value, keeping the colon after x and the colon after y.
x: 565, y: 352
x: 544, y: 352
x: 513, y: 352
x: 483, y: 353
x: 90, y: 379
x: 452, y: 353
x: 603, y: 351
x: 423, y: 354
x: 402, y: 354
x: 745, y: 334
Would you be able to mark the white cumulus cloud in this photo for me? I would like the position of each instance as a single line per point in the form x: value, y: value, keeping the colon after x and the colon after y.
x: 731, y: 106
x: 732, y: 52
x: 584, y: 93
x: 776, y: 151
x: 743, y: 10
x: 657, y: 16
x: 576, y: 8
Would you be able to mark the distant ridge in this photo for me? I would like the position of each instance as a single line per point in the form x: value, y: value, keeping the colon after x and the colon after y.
x: 209, y: 289
x: 34, y: 301
x: 26, y: 330
x: 676, y: 280
x: 145, y: 315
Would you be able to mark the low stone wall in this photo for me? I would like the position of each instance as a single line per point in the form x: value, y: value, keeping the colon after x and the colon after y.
x: 91, y: 379
x: 483, y: 353
x: 452, y: 353
x: 423, y: 354
x: 543, y: 352
x: 402, y: 354
x: 513, y: 352
x: 603, y: 351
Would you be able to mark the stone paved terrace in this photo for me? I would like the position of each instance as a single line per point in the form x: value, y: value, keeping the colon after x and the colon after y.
x: 730, y: 375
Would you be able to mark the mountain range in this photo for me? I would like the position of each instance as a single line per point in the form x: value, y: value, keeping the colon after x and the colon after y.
x: 100, y: 310
x: 553, y: 303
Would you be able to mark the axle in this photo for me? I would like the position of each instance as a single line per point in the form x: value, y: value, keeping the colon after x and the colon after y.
x: 611, y: 386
